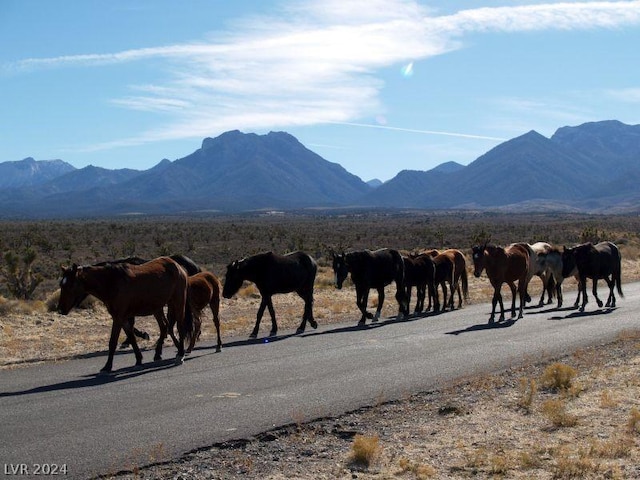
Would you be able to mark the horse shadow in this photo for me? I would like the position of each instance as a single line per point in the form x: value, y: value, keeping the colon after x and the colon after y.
x: 485, y: 326
x: 590, y: 313
x: 249, y: 341
x: 96, y: 379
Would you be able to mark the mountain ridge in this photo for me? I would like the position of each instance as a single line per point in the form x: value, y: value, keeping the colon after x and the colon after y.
x: 590, y: 167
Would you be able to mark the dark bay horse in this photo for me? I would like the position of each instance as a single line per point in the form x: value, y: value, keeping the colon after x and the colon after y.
x: 272, y: 273
x: 372, y: 269
x: 204, y: 289
x: 503, y: 265
x: 129, y: 291
x: 602, y: 260
x: 419, y: 272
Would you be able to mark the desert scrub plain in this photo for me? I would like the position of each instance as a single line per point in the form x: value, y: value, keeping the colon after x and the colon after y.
x: 522, y: 423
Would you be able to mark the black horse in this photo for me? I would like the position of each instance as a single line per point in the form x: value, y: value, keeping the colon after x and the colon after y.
x: 272, y: 273
x: 602, y: 260
x: 185, y: 262
x: 420, y: 272
x: 369, y: 270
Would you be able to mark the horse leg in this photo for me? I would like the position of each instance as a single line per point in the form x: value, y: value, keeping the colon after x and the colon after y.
x: 611, y: 301
x: 263, y: 305
x: 494, y: 302
x: 376, y: 317
x: 583, y: 291
x: 522, y: 290
x: 214, y: 304
x: 113, y: 343
x: 362, y: 297
x: 128, y: 330
x: 595, y: 292
x: 274, y: 325
x: 420, y: 294
x: 512, y: 287
x: 307, y: 315
x: 162, y: 325
x: 444, y: 295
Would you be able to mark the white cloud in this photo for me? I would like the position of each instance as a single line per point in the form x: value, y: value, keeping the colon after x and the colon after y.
x: 314, y: 61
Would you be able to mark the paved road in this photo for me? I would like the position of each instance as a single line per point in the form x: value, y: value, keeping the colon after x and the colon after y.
x: 65, y: 414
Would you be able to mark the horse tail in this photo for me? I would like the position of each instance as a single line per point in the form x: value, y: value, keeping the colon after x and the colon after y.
x: 618, y: 273
x: 188, y: 323
x: 465, y: 284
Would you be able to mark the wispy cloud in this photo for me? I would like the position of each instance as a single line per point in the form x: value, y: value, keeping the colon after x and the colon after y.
x: 314, y: 62
x: 426, y: 132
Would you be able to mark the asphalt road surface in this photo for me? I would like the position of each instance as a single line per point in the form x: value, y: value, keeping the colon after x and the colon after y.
x: 63, y: 415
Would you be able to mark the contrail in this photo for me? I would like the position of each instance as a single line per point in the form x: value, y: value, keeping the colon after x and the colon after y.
x: 427, y: 132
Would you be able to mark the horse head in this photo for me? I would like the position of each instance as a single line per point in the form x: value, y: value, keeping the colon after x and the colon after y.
x: 233, y: 279
x: 477, y: 254
x: 340, y: 268
x: 72, y: 290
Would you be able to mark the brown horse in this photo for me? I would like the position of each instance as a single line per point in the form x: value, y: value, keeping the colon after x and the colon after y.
x: 130, y: 291
x: 445, y: 273
x: 503, y: 265
x: 204, y: 289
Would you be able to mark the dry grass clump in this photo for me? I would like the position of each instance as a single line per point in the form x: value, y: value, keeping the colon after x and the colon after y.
x: 558, y: 377
x: 21, y: 307
x: 633, y: 424
x: 421, y: 471
x: 556, y: 411
x: 527, y: 391
x: 364, y: 450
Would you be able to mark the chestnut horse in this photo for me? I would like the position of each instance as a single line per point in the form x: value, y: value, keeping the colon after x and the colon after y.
x: 372, y: 269
x: 272, y: 273
x: 204, y: 289
x: 503, y: 265
x: 602, y: 260
x: 453, y: 263
x: 129, y: 291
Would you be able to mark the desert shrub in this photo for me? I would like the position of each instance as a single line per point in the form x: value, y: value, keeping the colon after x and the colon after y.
x: 19, y: 276
x: 20, y: 307
x: 558, y: 377
x: 556, y: 412
x: 633, y: 424
x: 89, y: 303
x: 364, y: 450
x: 527, y: 390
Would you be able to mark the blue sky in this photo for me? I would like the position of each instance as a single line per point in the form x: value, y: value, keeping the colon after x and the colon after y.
x: 375, y: 85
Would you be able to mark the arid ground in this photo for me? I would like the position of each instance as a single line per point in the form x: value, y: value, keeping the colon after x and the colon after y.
x: 571, y: 417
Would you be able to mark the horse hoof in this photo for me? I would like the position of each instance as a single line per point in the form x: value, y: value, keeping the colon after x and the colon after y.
x: 105, y: 373
x: 299, y: 331
x: 313, y: 324
x: 253, y: 335
x: 273, y: 333
x: 157, y: 358
x: 179, y: 360
x: 600, y: 303
x: 218, y: 349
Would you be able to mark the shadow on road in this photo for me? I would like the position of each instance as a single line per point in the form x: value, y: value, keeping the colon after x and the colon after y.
x: 600, y: 311
x: 485, y: 326
x: 99, y: 378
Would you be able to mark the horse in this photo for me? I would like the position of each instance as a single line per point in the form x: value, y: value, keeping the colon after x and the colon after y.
x: 129, y: 291
x: 272, y: 273
x: 372, y: 269
x: 204, y: 289
x: 445, y: 273
x: 547, y: 264
x: 602, y: 260
x: 185, y: 262
x: 503, y: 265
x: 419, y: 271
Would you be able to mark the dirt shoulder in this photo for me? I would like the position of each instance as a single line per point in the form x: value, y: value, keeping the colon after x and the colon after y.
x: 507, y: 425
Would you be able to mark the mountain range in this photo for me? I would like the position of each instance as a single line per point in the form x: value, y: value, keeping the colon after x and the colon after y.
x: 592, y: 167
